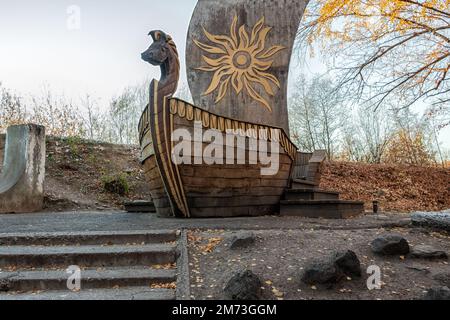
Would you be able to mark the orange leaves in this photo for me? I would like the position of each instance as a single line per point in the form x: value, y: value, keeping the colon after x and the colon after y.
x: 172, y: 285
x: 211, y: 245
x: 205, y: 245
x: 335, y: 18
x: 398, y: 188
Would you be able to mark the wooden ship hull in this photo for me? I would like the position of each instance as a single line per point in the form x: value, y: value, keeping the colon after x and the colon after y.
x: 208, y: 190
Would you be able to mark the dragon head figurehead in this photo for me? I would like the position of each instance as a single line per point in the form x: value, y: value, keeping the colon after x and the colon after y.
x: 163, y: 52
x: 158, y: 52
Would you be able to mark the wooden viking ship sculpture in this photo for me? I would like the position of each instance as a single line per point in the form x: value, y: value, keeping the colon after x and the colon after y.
x: 202, y: 190
x: 237, y: 62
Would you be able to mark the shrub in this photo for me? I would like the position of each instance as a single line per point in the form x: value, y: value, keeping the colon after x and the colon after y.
x: 116, y: 184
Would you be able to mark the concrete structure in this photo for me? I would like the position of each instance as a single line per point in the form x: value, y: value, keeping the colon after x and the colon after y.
x: 114, y: 265
x: 23, y: 171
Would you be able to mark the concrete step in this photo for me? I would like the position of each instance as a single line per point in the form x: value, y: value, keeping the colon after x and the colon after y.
x: 303, y: 184
x: 327, y: 209
x: 88, y: 238
x: 131, y: 293
x: 45, y: 280
x: 310, y: 194
x: 87, y: 256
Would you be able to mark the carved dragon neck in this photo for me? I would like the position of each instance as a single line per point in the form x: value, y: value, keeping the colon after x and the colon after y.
x: 163, y: 52
x: 170, y: 72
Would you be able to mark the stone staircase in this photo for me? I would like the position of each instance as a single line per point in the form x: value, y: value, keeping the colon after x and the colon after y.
x: 305, y: 199
x: 114, y: 265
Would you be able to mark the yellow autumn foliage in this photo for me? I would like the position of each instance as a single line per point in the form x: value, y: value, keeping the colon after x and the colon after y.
x: 407, y: 147
x: 393, y: 47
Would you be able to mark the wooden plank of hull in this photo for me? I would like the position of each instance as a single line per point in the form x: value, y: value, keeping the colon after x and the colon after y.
x: 201, y: 190
x: 236, y: 201
x: 157, y: 190
x: 229, y: 212
x: 241, y: 172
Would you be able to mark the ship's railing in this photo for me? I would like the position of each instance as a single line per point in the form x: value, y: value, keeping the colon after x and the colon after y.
x: 212, y: 121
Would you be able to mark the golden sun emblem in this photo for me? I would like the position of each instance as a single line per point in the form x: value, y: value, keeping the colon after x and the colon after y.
x: 241, y: 60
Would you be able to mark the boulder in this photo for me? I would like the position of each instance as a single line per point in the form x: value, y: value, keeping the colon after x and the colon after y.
x: 438, y: 293
x: 348, y: 263
x: 332, y: 269
x: 4, y: 285
x: 321, y: 272
x: 427, y: 252
x: 439, y: 220
x: 244, y: 285
x: 390, y: 244
x: 242, y: 240
x: 443, y: 278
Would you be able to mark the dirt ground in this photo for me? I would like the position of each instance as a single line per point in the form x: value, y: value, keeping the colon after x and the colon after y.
x: 76, y: 170
x: 278, y: 258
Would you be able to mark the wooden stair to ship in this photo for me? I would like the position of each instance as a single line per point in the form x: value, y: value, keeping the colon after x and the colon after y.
x: 305, y: 199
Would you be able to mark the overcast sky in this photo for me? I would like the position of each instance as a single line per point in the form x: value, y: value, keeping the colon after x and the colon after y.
x: 41, y: 44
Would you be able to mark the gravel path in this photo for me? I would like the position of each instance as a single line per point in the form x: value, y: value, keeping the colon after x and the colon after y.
x: 123, y: 221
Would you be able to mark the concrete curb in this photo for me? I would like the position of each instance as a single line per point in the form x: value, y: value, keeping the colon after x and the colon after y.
x: 183, y: 279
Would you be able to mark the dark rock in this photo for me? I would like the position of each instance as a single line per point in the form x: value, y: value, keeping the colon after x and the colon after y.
x: 321, y: 272
x: 242, y: 240
x: 443, y: 278
x: 434, y: 220
x: 244, y: 285
x: 390, y: 244
x: 5, y: 285
x: 348, y: 263
x: 427, y: 252
x: 438, y: 293
x: 331, y: 270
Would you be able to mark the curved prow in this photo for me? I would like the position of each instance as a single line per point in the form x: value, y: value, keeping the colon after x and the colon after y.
x: 163, y: 53
x: 22, y: 177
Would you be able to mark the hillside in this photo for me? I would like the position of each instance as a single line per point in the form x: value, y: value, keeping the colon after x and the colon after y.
x: 78, y: 170
x: 397, y: 188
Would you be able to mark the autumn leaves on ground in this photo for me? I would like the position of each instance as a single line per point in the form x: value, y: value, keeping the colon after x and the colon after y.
x: 398, y: 188
x: 84, y: 175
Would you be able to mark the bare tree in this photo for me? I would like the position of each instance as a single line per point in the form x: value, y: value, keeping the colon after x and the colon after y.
x: 12, y: 109
x: 92, y: 118
x: 125, y: 112
x: 316, y: 114
x: 375, y: 128
x: 60, y: 116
